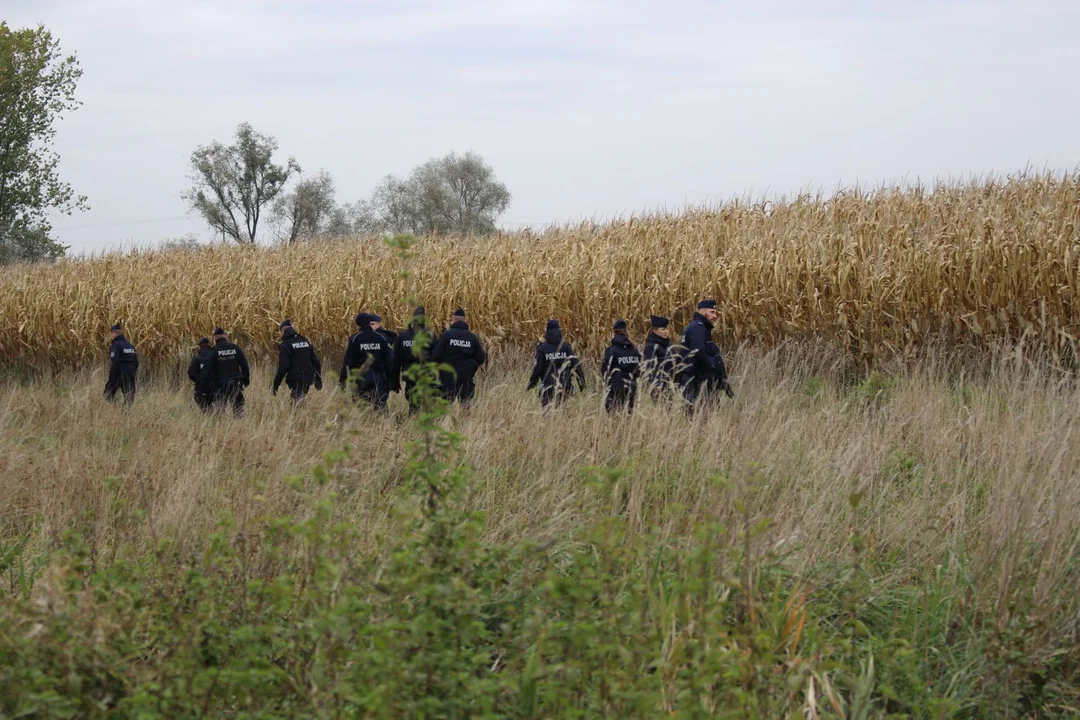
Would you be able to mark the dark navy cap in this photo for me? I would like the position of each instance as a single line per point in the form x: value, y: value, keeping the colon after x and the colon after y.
x: 553, y: 324
x: 375, y: 318
x: 706, y: 305
x: 658, y: 321
x: 419, y: 311
x: 115, y: 327
x: 219, y: 331
x: 287, y: 322
x: 459, y: 313
x: 620, y: 324
x: 204, y: 341
x: 363, y: 319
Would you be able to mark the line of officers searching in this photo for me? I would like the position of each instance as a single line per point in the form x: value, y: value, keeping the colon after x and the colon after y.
x: 376, y: 359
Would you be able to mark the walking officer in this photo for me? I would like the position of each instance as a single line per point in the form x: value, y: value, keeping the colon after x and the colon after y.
x: 702, y: 365
x: 368, y: 366
x: 459, y: 348
x: 388, y: 335
x: 123, y: 366
x: 203, y: 393
x: 298, y: 364
x: 621, y: 366
x: 555, y: 367
x: 660, y: 360
x: 407, y: 352
x: 227, y: 373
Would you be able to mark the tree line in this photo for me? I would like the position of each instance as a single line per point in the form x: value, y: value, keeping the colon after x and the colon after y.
x: 239, y: 189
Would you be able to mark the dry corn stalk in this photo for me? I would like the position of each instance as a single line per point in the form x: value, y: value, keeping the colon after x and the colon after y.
x: 878, y: 271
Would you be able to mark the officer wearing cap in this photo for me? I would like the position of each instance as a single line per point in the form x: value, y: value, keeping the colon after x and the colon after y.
x: 202, y: 392
x: 227, y: 373
x: 702, y: 363
x: 660, y: 360
x: 555, y: 367
x: 123, y: 366
x: 459, y: 348
x: 620, y: 368
x: 298, y: 364
x: 389, y: 335
x: 368, y: 364
x: 411, y: 347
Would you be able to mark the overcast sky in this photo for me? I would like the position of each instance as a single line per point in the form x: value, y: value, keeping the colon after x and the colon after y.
x: 585, y: 108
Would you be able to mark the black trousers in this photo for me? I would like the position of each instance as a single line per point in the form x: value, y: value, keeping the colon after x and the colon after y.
x: 696, y: 392
x: 229, y: 391
x: 373, y: 388
x: 620, y: 399
x: 123, y: 383
x: 662, y: 394
x: 203, y: 400
x: 554, y: 395
x: 414, y: 403
x: 460, y: 390
x: 299, y: 386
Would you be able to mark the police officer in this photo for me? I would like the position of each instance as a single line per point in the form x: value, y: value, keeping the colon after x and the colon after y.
x: 202, y: 391
x: 660, y: 360
x: 622, y: 363
x: 555, y: 365
x: 368, y: 365
x: 123, y: 365
x: 719, y: 380
x: 389, y: 335
x: 298, y: 364
x: 459, y: 348
x: 702, y: 365
x: 227, y: 373
x: 406, y: 353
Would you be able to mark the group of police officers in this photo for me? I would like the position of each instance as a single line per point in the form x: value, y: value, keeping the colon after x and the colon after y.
x: 376, y: 361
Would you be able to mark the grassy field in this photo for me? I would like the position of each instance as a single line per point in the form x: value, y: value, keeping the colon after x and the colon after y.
x: 884, y: 523
x: 826, y: 545
x: 877, y: 272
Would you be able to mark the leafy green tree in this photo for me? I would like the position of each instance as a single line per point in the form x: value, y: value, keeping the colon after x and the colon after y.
x: 352, y: 220
x: 454, y: 194
x: 37, y: 86
x: 307, y: 211
x: 232, y: 184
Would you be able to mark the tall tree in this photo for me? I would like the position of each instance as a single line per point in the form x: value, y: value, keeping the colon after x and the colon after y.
x: 231, y: 184
x: 306, y: 211
x: 396, y: 205
x: 452, y: 194
x: 37, y: 86
x: 351, y: 220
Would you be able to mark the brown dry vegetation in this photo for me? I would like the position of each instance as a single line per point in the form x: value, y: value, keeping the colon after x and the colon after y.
x: 946, y: 482
x: 986, y: 469
x: 877, y: 272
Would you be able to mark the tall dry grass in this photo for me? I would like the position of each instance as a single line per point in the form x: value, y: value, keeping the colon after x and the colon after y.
x: 982, y: 469
x: 876, y: 271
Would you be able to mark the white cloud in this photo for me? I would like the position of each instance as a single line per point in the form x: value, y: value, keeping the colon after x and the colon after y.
x: 584, y: 108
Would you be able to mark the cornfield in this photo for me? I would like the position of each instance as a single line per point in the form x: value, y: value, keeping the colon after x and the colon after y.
x: 878, y: 271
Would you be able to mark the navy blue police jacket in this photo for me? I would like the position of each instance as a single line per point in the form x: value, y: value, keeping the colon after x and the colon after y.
x: 367, y: 347
x: 459, y: 348
x: 297, y: 360
x: 404, y: 352
x: 556, y: 364
x: 123, y: 360
x: 198, y: 362
x: 226, y: 362
x: 660, y: 360
x: 622, y: 364
x: 698, y: 361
